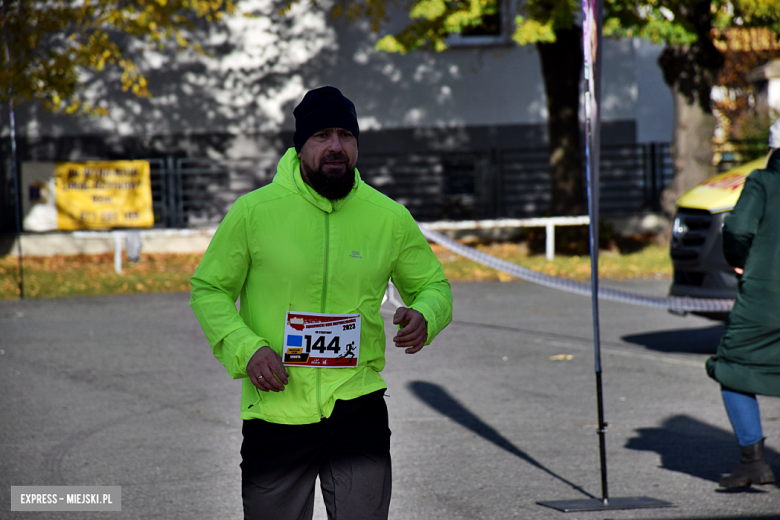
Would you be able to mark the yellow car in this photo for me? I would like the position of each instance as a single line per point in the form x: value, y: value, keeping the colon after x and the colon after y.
x: 700, y: 270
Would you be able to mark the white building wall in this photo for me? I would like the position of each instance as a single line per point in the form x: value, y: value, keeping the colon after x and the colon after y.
x: 261, y: 67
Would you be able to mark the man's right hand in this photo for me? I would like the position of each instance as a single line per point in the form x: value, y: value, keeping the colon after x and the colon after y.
x: 266, y: 370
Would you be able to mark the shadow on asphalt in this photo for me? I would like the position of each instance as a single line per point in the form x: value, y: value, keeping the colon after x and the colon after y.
x: 748, y: 517
x: 437, y: 398
x: 531, y: 332
x: 690, y: 341
x: 698, y: 449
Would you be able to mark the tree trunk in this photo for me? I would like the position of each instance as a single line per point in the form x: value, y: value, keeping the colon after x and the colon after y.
x: 691, y: 150
x: 561, y: 67
x: 691, y: 71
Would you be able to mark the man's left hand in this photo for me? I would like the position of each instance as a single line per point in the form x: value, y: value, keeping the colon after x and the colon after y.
x: 414, y: 331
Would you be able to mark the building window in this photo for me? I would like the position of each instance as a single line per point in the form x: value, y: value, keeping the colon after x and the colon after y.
x: 496, y: 28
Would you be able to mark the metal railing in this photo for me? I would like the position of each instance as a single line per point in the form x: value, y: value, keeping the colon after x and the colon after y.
x: 193, y: 192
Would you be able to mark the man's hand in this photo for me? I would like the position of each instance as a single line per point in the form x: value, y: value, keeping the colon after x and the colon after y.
x: 414, y: 331
x: 266, y: 371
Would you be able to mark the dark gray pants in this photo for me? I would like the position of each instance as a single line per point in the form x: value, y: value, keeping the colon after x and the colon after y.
x: 350, y: 452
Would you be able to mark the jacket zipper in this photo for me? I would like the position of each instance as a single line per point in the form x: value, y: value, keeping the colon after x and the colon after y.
x: 323, y: 299
x: 325, y: 269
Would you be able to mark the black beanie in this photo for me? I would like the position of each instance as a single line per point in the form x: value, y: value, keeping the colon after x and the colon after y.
x: 324, y: 107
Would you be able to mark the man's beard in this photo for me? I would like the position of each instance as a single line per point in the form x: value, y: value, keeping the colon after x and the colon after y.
x: 332, y: 187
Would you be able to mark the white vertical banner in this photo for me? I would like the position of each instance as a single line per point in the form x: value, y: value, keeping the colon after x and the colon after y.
x: 591, y: 35
x: 591, y: 46
x: 591, y: 39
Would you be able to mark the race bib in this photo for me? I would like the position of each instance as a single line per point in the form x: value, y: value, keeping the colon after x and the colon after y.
x: 321, y: 340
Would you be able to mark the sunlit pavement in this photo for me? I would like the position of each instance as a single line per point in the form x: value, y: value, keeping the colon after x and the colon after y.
x: 497, y: 414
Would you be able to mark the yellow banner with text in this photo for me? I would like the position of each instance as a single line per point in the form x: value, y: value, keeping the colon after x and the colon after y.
x: 103, y: 195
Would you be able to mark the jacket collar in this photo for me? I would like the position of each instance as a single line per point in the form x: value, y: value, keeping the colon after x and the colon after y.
x: 288, y: 174
x: 774, y: 161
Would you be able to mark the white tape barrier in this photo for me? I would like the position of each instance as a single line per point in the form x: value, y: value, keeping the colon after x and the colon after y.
x: 672, y: 303
x: 548, y: 223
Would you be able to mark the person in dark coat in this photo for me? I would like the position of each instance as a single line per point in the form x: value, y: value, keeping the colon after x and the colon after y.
x: 747, y: 362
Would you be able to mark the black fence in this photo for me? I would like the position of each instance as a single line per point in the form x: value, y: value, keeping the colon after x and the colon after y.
x: 733, y: 153
x: 193, y: 192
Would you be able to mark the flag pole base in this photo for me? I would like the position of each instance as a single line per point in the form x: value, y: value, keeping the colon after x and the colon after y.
x: 600, y: 504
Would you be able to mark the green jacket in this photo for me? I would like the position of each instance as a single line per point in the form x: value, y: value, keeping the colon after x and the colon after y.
x: 284, y: 247
x: 748, y: 356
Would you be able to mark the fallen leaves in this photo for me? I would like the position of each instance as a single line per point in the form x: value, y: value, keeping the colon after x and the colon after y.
x: 650, y: 262
x: 88, y: 275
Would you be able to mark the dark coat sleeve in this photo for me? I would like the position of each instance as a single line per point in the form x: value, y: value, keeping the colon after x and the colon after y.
x: 740, y: 226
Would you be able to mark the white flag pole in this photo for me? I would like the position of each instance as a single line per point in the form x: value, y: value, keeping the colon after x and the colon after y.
x: 591, y: 32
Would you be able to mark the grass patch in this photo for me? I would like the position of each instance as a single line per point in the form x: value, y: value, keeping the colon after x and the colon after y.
x: 91, y: 275
x: 652, y: 261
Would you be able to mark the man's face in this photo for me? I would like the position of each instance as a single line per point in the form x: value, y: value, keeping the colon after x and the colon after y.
x: 328, y: 161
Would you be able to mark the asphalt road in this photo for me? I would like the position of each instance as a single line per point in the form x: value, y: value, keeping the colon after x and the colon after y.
x: 498, y: 414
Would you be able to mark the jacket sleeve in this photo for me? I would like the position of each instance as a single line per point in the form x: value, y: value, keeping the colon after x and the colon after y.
x: 420, y: 280
x: 216, y: 285
x: 741, y: 224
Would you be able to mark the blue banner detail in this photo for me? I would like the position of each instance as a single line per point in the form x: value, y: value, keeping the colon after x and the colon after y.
x: 294, y: 341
